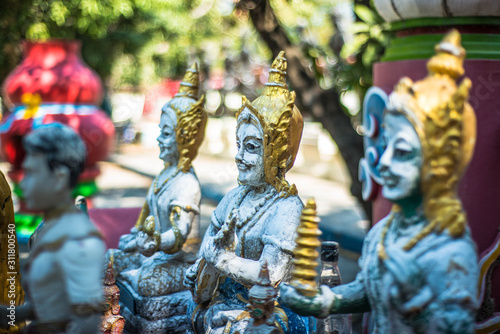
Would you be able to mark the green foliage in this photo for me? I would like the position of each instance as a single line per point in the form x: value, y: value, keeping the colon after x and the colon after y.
x: 371, y: 37
x: 135, y: 43
x: 128, y: 42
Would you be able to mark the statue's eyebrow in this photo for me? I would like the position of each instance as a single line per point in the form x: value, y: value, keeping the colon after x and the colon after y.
x: 252, y: 137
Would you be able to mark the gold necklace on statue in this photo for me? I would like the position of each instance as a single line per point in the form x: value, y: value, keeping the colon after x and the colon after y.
x: 156, y: 190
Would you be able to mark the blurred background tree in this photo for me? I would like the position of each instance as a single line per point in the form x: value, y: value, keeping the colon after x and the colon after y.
x: 135, y: 44
x: 130, y: 43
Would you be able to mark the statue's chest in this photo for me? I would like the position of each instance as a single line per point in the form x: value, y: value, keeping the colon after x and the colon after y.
x: 249, y: 239
x: 379, y: 280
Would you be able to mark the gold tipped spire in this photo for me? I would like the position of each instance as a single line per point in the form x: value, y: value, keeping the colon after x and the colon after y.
x: 449, y: 57
x: 190, y: 83
x: 263, y: 290
x: 277, y: 72
x: 191, y: 118
x: 263, y: 278
x: 306, y: 254
x: 261, y: 306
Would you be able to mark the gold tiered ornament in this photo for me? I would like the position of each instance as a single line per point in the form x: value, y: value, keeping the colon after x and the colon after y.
x: 306, y: 255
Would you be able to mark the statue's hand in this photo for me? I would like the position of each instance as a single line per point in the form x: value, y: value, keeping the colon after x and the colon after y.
x: 127, y: 241
x: 220, y: 319
x: 226, y: 237
x: 146, y: 244
x: 192, y: 275
x: 406, y: 273
x: 318, y: 306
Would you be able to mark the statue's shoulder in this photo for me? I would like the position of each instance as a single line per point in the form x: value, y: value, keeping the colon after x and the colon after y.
x: 228, y: 202
x: 80, y: 224
x: 449, y: 249
x: 289, y: 205
x: 232, y: 196
x: 185, y: 188
x: 189, y: 177
x: 373, y: 235
x: 186, y: 182
x: 74, y: 225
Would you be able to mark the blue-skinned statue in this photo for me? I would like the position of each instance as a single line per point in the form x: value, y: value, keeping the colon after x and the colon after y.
x: 254, y: 223
x: 418, y: 266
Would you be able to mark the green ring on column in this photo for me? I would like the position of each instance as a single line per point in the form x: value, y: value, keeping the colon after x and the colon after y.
x: 421, y: 46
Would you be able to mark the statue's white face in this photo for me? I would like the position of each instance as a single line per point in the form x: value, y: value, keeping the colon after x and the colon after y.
x: 167, y: 141
x: 401, y: 162
x: 38, y: 183
x: 249, y: 158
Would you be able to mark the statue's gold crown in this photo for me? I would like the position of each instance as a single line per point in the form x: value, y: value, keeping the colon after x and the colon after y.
x: 445, y: 124
x: 281, y: 124
x: 190, y: 83
x: 191, y: 118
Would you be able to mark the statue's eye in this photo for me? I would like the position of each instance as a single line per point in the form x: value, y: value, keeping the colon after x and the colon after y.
x: 251, y: 146
x: 402, y: 154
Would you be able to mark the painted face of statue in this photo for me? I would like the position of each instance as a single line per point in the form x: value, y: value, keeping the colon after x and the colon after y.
x: 167, y: 140
x: 249, y: 158
x: 38, y: 183
x: 401, y: 161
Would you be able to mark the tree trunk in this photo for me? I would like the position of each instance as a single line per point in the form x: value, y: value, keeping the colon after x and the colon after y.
x: 323, y: 105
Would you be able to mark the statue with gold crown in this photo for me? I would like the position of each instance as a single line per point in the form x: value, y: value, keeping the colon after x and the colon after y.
x: 254, y: 223
x: 419, y: 267
x: 151, y: 261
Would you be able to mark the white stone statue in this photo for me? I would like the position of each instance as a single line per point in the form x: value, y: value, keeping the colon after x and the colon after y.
x: 151, y: 261
x: 254, y: 223
x: 419, y: 269
x: 63, y: 274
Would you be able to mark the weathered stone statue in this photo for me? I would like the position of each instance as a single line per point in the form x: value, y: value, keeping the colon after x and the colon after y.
x: 112, y: 322
x: 256, y: 222
x: 151, y: 261
x: 63, y: 272
x: 418, y: 265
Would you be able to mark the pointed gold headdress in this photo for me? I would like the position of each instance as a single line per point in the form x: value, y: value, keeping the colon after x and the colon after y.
x: 191, y: 118
x: 281, y: 124
x: 446, y: 126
